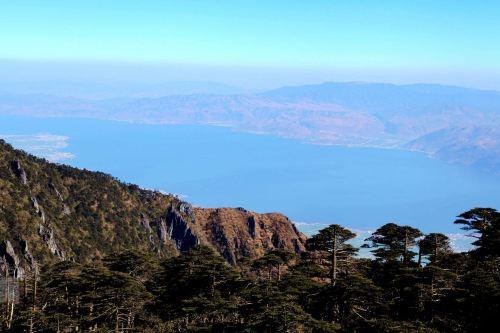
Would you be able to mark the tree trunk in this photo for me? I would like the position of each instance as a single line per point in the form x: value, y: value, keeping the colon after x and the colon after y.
x: 33, y: 299
x: 405, y: 255
x: 436, y: 249
x: 6, y: 295
x: 77, y: 312
x: 419, y: 257
x: 35, y: 278
x: 333, y: 276
x: 25, y: 292
x: 117, y: 324
x: 212, y: 287
x: 11, y: 314
x: 31, y: 325
x: 129, y: 320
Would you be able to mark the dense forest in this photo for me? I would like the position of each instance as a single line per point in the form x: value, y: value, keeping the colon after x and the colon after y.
x: 413, y: 282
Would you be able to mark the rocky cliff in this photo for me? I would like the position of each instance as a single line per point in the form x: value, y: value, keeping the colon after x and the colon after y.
x: 238, y: 233
x: 51, y: 212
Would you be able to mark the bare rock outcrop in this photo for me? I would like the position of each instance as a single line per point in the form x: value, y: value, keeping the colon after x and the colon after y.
x: 9, y: 260
x: 53, y: 187
x: 48, y: 237
x: 238, y: 233
x: 19, y: 171
x: 179, y: 228
x: 16, y: 259
x: 28, y: 257
x: 38, y: 209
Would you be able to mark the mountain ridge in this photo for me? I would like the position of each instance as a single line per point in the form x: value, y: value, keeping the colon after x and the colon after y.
x: 348, y: 114
x: 51, y: 212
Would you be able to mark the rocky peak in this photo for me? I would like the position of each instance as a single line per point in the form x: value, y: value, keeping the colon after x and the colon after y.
x: 179, y: 229
x: 238, y: 233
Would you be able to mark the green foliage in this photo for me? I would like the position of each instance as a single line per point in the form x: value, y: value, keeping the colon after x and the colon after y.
x: 394, y: 243
x: 198, y: 291
x: 331, y: 243
x: 434, y: 246
x: 273, y: 262
x: 89, y: 214
x: 485, y: 226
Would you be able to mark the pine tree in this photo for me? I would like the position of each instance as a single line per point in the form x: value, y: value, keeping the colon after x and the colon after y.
x: 434, y: 246
x: 392, y: 242
x: 274, y: 260
x: 197, y: 288
x: 485, y: 226
x: 89, y: 297
x: 351, y: 302
x: 139, y: 265
x: 332, y: 241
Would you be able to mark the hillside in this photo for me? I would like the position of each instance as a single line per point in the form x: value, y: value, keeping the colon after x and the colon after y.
x: 475, y: 146
x: 50, y: 212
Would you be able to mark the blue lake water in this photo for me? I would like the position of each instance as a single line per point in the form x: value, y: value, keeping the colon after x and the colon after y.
x: 314, y: 185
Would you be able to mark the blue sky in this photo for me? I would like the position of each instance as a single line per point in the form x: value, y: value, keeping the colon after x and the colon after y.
x: 454, y: 41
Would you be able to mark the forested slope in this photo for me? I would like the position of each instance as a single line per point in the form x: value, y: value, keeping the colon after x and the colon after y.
x: 51, y: 212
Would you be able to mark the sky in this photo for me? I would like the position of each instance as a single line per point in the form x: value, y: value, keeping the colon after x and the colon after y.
x: 253, y: 43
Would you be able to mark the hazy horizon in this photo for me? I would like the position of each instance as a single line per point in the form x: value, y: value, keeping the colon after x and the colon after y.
x: 245, y: 78
x: 262, y: 46
x: 137, y: 62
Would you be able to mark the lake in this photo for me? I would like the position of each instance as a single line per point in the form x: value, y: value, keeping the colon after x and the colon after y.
x: 314, y: 185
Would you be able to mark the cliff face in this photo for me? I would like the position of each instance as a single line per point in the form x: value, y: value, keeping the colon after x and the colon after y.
x: 52, y: 212
x: 238, y: 233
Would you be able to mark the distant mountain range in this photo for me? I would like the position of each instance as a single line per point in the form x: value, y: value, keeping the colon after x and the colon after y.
x: 116, y: 90
x: 455, y: 124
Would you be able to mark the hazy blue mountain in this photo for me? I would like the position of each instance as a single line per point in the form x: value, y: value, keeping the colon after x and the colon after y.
x: 475, y: 146
x: 113, y: 90
x: 390, y: 99
x: 414, y: 117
